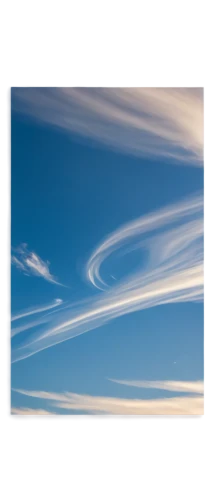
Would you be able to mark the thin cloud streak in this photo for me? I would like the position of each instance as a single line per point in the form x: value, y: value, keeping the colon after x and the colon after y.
x: 151, y: 122
x: 28, y: 326
x: 173, y: 272
x: 37, y: 310
x: 165, y: 385
x: 31, y: 264
x: 30, y: 412
x: 119, y: 406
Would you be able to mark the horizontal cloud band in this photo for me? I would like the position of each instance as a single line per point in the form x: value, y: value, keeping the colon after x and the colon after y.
x: 190, y: 405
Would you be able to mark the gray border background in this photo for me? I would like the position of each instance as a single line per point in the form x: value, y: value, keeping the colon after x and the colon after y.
x: 154, y: 39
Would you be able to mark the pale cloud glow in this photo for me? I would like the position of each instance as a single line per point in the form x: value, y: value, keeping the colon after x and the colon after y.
x: 173, y: 239
x: 119, y: 406
x: 163, y: 122
x: 31, y: 264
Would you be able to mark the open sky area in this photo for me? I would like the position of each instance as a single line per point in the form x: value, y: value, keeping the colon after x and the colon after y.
x: 107, y: 251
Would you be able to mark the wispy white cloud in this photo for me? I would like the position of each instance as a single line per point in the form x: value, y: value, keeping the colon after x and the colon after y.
x: 166, y: 385
x: 28, y: 326
x: 30, y: 411
x: 163, y: 122
x: 36, y: 310
x: 30, y: 263
x: 172, y: 272
x: 120, y: 406
x: 167, y: 234
x: 15, y: 261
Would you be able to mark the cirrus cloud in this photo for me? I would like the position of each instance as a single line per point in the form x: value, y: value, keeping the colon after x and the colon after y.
x: 151, y: 122
x: 31, y: 264
x: 173, y: 272
x: 190, y: 405
x: 166, y: 385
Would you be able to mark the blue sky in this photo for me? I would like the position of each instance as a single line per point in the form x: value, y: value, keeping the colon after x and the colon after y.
x: 107, y: 216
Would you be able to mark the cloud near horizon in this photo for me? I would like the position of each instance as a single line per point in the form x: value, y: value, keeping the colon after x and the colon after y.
x: 190, y: 405
x: 30, y: 411
x: 145, y: 122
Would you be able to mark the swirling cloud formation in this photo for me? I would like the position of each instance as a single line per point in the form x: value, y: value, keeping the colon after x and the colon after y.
x: 170, y: 270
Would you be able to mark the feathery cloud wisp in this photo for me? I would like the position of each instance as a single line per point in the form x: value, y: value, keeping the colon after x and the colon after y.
x: 31, y: 264
x: 152, y: 122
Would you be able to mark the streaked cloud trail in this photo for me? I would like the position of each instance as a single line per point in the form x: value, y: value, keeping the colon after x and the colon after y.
x: 166, y: 385
x: 151, y: 122
x: 28, y: 326
x: 37, y: 310
x: 172, y: 272
x: 31, y: 412
x: 189, y: 405
x: 31, y: 264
